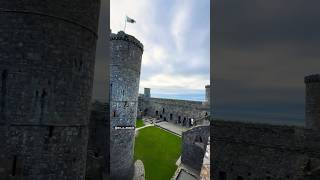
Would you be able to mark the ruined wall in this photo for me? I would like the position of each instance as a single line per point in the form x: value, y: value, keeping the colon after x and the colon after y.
x: 194, y: 142
x: 313, y: 101
x: 98, y: 148
x: 260, y: 151
x: 126, y: 54
x: 173, y: 110
x: 47, y: 52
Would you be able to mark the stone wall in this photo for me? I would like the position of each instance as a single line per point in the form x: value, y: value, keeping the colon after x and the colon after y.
x: 313, y: 101
x: 172, y: 110
x: 260, y: 151
x: 126, y: 54
x: 194, y: 142
x: 47, y: 52
x: 98, y: 148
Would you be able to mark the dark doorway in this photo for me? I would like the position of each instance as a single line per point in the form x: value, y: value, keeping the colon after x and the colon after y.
x: 157, y: 113
x: 222, y: 175
x: 170, y: 116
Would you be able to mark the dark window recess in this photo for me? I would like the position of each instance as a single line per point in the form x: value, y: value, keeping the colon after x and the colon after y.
x: 239, y: 178
x: 162, y: 110
x: 122, y: 92
x: 50, y: 131
x: 4, y: 77
x: 114, y: 113
x: 157, y: 112
x: 222, y: 175
x: 170, y: 116
x: 198, y: 139
x: 14, y: 166
x: 126, y: 104
x: 160, y: 115
x: 307, y: 167
x: 43, y: 103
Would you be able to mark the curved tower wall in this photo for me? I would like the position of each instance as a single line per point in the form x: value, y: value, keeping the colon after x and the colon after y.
x: 47, y: 54
x: 207, y: 98
x: 147, y: 92
x: 126, y: 54
x: 313, y: 101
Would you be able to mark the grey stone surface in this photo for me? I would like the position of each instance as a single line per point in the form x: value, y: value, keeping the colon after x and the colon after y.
x: 313, y: 101
x: 126, y: 54
x: 47, y: 52
x: 139, y: 173
x: 98, y: 148
x: 172, y: 110
x: 194, y: 142
x: 260, y: 151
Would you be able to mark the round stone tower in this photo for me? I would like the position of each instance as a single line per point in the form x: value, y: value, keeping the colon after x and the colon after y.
x: 47, y: 55
x: 207, y: 98
x: 147, y: 92
x: 126, y: 55
x: 312, y: 101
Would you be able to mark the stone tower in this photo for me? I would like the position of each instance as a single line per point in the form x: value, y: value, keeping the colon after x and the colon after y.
x: 207, y: 98
x: 312, y: 101
x: 147, y: 92
x: 126, y: 54
x: 47, y: 55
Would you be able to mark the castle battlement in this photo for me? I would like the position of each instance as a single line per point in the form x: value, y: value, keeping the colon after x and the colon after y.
x: 312, y: 78
x: 122, y: 36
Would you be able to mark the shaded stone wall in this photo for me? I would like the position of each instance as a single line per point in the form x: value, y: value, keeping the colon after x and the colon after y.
x: 173, y: 110
x: 313, y: 101
x: 126, y: 54
x: 47, y: 52
x: 194, y: 142
x: 260, y: 151
x: 98, y: 148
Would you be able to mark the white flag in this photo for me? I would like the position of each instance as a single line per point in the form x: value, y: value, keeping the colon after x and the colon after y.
x: 130, y: 20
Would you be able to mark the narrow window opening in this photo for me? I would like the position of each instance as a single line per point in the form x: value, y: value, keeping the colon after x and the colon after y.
x: 170, y: 116
x: 157, y: 113
x: 222, y: 175
x: 126, y: 104
x: 50, y: 131
x: 239, y: 178
x: 114, y: 113
x: 42, y: 103
x: 162, y: 110
x: 14, y: 166
x: 4, y: 77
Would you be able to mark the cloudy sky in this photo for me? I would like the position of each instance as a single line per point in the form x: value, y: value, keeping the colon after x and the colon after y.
x: 263, y: 50
x: 176, y: 38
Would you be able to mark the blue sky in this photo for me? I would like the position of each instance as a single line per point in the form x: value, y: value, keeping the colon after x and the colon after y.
x: 176, y: 38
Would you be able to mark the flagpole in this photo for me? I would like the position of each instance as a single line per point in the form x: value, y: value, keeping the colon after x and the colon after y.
x: 125, y: 24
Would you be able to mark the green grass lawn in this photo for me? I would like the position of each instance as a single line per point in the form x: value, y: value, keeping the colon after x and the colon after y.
x: 159, y: 150
x: 139, y: 123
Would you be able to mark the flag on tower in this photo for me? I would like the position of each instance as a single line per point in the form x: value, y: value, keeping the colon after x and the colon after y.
x: 130, y: 20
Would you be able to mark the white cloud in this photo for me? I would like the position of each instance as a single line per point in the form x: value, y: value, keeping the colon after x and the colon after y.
x: 170, y: 50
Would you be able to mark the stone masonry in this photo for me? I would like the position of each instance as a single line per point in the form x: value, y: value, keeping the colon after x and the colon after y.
x: 261, y: 151
x: 47, y: 53
x: 183, y: 112
x: 126, y: 54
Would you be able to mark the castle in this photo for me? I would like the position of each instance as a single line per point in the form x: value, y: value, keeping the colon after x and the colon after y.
x: 183, y: 112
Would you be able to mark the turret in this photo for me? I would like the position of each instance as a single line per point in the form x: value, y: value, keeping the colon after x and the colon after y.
x: 126, y: 56
x: 312, y: 101
x: 147, y: 92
